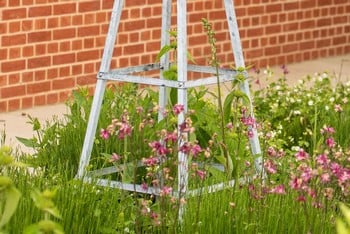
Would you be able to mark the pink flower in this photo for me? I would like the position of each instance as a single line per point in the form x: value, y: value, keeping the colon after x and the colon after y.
x: 124, y: 130
x: 185, y: 148
x: 301, y: 198
x: 330, y: 142
x: 171, y: 137
x: 301, y: 155
x: 178, y: 108
x: 115, y: 158
x: 338, y: 108
x: 307, y: 174
x: 104, y: 134
x: 248, y: 121
x: 322, y: 159
x: 149, y: 162
x: 250, y: 133
x: 201, y: 174
x: 279, y: 189
x: 229, y: 126
x: 296, y: 183
x: 270, y: 167
x: 158, y: 147
x: 325, y: 178
x: 144, y: 186
x: 327, y: 130
x: 165, y: 191
x: 271, y: 151
x: 195, y: 150
x: 344, y: 176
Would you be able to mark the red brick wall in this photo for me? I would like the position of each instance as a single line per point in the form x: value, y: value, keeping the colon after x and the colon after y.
x: 50, y: 47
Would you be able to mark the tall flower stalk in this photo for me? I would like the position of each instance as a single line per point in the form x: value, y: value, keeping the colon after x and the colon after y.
x: 214, y: 62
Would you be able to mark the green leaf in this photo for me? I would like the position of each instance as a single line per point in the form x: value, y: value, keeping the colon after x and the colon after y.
x: 227, y: 106
x: 163, y: 51
x: 28, y: 142
x: 216, y: 173
x: 12, y: 198
x: 346, y: 212
x: 341, y: 227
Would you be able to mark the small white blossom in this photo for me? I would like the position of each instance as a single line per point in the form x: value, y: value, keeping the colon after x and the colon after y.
x: 310, y: 103
x: 332, y: 99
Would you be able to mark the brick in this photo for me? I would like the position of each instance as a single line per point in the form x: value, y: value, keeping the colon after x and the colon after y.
x: 13, y: 105
x: 13, y: 40
x: 89, y: 68
x: 3, y: 54
x: 77, y: 20
x: 89, y: 6
x: 12, y: 66
x: 107, y: 4
x: 2, y: 3
x: 39, y: 87
x: 52, y: 23
x: 39, y: 62
x: 63, y: 83
x: 52, y: 47
x: 290, y: 6
x: 290, y: 48
x: 272, y: 8
x: 134, y: 25
x: 88, y: 55
x: 27, y: 77
x: 268, y: 51
x: 40, y: 49
x: 77, y: 69
x: 88, y: 31
x: 65, y: 21
x: 86, y: 80
x: 89, y: 43
x: 26, y: 102
x: 66, y: 8
x: 64, y: 71
x: 52, y: 98
x: 135, y: 49
x: 307, y: 45
x: 64, y: 46
x: 14, y: 27
x: 255, y: 10
x: 13, y: 91
x: 3, y: 106
x: 40, y: 75
x: 14, y: 53
x: 14, y: 3
x: 308, y: 24
x: 27, y: 25
x: 339, y: 40
x: 64, y: 33
x: 40, y: 100
x: 52, y: 73
x: 14, y: 79
x: 3, y: 28
x: 39, y: 36
x: 39, y: 11
x: 18, y: 13
x: 63, y: 59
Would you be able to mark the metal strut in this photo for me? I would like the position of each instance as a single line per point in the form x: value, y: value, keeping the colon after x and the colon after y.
x: 182, y: 84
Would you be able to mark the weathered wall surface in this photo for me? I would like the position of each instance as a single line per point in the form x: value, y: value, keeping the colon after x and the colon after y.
x: 50, y: 47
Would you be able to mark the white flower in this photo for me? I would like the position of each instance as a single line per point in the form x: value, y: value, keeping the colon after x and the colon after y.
x: 310, y: 103
x: 296, y: 112
x: 295, y: 148
x: 326, y: 108
x: 332, y: 99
